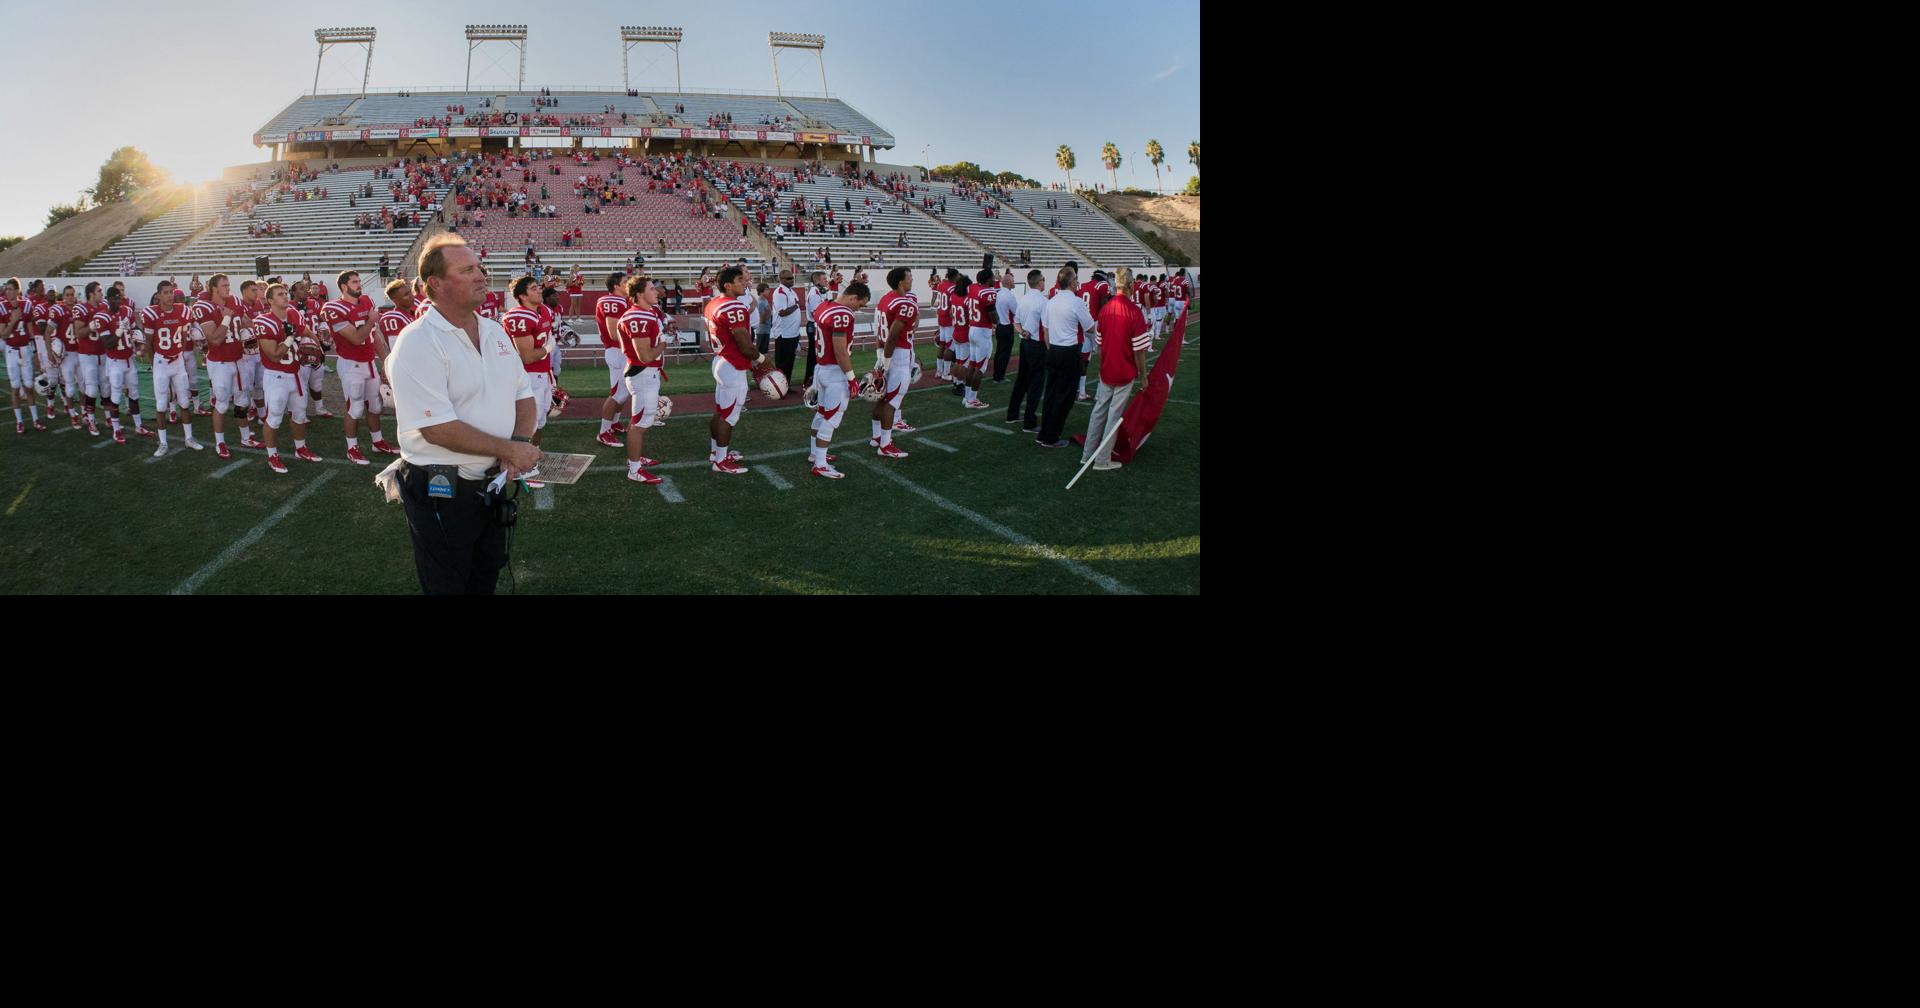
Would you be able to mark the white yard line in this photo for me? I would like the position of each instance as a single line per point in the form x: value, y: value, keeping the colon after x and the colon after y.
x: 756, y: 457
x: 100, y: 444
x: 996, y: 430
x: 221, y: 473
x: 779, y: 482
x: 1104, y: 582
x: 931, y: 443
x: 1185, y: 402
x: 240, y: 546
x: 669, y: 491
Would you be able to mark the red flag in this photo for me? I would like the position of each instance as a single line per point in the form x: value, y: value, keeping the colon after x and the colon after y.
x: 1144, y: 411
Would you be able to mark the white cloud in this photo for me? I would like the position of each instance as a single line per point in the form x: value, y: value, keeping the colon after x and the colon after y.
x: 1168, y: 72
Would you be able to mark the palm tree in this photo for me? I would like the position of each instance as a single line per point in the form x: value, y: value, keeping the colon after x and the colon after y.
x: 1110, y: 156
x: 1064, y: 158
x: 1193, y: 155
x: 1156, y: 154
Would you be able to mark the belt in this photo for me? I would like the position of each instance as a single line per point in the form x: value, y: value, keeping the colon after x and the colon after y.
x: 451, y: 472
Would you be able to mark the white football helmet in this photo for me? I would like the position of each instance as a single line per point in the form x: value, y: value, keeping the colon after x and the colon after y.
x: 812, y: 398
x: 873, y: 385
x: 43, y: 384
x: 913, y: 378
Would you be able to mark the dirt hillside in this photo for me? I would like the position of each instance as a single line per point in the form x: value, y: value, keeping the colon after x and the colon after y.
x: 1175, y: 219
x: 85, y: 234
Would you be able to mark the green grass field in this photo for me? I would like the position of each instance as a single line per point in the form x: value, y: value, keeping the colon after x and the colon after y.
x: 81, y: 515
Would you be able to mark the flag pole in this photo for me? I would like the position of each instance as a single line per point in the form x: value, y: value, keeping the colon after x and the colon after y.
x: 1114, y: 433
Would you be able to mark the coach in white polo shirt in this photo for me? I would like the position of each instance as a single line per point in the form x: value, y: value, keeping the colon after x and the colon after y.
x: 466, y: 410
x: 1067, y: 322
x: 788, y: 316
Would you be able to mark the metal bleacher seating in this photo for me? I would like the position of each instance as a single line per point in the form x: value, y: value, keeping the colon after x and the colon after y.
x: 1006, y: 233
x: 929, y: 244
x: 160, y: 234
x: 319, y: 237
x: 1084, y: 226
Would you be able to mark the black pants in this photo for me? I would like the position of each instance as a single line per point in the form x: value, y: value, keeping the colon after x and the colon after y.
x: 1029, y: 382
x: 457, y: 547
x: 1063, y: 381
x: 760, y: 339
x: 1002, y: 350
x: 808, y: 380
x: 783, y: 351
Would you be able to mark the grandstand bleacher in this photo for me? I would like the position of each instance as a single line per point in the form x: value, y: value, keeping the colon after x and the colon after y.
x: 146, y: 243
x: 1088, y: 229
x: 928, y: 242
x: 319, y: 237
x: 1006, y: 233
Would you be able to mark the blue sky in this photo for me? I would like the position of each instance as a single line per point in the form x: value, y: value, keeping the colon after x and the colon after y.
x: 1029, y: 77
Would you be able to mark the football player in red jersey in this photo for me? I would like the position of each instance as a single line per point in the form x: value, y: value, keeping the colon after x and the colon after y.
x: 16, y: 323
x: 350, y: 318
x: 216, y: 321
x: 168, y: 350
x: 491, y: 305
x: 106, y: 321
x: 833, y: 328
x: 281, y: 333
x: 56, y: 356
x: 122, y: 375
x: 306, y: 301
x: 252, y: 380
x: 898, y: 312
x: 399, y: 314
x: 532, y: 337
x: 734, y: 357
x: 943, y: 315
x: 979, y: 304
x: 641, y: 332
x: 606, y: 314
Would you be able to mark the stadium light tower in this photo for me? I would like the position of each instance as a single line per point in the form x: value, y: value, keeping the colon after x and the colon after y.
x: 512, y: 34
x: 631, y: 36
x: 777, y: 41
x: 344, y: 36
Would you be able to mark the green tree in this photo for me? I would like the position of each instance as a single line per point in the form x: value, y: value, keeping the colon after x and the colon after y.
x: 61, y: 211
x: 1008, y: 178
x: 1157, y: 155
x: 125, y: 172
x: 1193, y: 186
x: 1110, y: 156
x: 964, y: 170
x: 1064, y: 158
x: 1193, y: 154
x: 7, y: 243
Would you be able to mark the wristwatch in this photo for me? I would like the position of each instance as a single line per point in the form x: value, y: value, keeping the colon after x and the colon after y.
x: 523, y: 440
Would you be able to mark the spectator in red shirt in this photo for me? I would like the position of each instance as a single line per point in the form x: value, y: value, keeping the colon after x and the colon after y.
x: 1124, y: 339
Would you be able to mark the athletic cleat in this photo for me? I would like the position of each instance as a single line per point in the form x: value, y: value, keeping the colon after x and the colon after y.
x: 873, y: 442
x: 729, y: 466
x: 119, y: 437
x: 274, y: 463
x: 37, y: 425
x: 92, y: 431
x: 891, y: 451
x: 203, y: 411
x: 75, y: 417
x: 620, y: 428
x: 220, y: 448
x: 195, y: 445
x: 1082, y: 397
x: 144, y: 432
x: 306, y: 455
x: 252, y: 414
x: 645, y: 462
x: 322, y: 413
x: 1050, y: 444
x: 828, y: 472
x: 977, y: 404
x: 901, y: 428
x: 610, y: 439
x: 831, y: 457
x: 160, y: 452
x: 380, y: 445
x: 354, y: 456
x: 252, y: 442
x: 642, y: 476
x: 734, y: 456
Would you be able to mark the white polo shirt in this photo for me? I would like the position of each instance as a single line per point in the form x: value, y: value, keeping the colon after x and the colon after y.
x: 1033, y: 304
x: 437, y: 376
x: 815, y: 298
x: 785, y: 326
x: 1003, y: 304
x: 1066, y: 319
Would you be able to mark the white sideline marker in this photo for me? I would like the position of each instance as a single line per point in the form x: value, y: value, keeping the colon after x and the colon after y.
x: 221, y: 473
x: 671, y: 492
x: 1104, y: 582
x: 996, y: 430
x: 931, y: 443
x: 779, y: 482
x: 233, y: 552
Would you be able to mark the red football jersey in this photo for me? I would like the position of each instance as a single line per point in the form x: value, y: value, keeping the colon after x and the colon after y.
x: 166, y: 330
x: 491, y: 305
x: 19, y: 331
x: 87, y: 341
x: 1095, y: 293
x: 1178, y: 287
x: 898, y: 307
x: 942, y: 310
x: 265, y: 326
x: 60, y: 316
x: 639, y: 325
x: 606, y: 314
x: 980, y: 306
x: 339, y: 315
x: 725, y: 314
x: 209, y: 316
x: 391, y: 322
x: 527, y: 322
x: 830, y: 319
